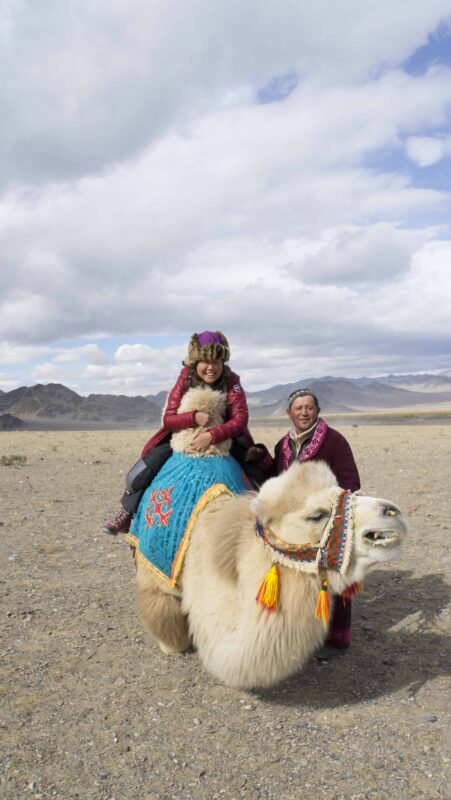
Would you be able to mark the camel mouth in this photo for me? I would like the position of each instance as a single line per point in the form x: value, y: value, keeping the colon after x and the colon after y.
x: 383, y: 538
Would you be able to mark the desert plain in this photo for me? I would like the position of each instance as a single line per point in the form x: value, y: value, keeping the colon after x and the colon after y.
x: 91, y: 709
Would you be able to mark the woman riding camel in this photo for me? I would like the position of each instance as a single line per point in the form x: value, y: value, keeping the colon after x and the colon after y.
x: 204, y: 365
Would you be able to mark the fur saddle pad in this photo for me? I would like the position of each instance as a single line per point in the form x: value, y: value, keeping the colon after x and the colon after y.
x: 162, y: 527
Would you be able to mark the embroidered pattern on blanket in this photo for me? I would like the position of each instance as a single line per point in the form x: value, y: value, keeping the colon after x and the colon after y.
x: 158, y: 507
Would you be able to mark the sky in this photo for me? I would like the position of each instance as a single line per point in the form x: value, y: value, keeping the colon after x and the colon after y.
x: 279, y: 172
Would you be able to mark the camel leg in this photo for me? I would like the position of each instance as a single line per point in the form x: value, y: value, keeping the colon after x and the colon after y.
x: 161, y: 613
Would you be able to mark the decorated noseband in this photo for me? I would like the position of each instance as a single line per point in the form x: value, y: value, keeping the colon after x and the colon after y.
x: 331, y: 553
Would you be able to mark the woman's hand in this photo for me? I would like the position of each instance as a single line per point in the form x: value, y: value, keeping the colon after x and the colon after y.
x: 202, y: 441
x: 202, y: 418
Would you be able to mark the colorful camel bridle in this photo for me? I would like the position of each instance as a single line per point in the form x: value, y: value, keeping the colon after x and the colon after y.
x: 332, y: 552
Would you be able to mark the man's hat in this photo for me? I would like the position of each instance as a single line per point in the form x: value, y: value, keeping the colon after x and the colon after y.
x: 207, y: 346
x: 302, y: 393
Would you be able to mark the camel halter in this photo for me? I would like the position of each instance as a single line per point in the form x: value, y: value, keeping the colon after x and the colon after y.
x: 331, y: 553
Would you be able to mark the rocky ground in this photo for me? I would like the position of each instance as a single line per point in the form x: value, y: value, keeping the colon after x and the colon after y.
x: 91, y: 708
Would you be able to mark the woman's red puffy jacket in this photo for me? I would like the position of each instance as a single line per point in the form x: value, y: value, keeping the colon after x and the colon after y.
x: 237, y: 413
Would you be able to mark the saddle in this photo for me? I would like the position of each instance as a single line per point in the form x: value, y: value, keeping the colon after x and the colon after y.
x: 161, y: 529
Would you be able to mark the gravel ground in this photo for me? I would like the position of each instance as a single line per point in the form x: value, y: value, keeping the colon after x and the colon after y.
x: 92, y: 709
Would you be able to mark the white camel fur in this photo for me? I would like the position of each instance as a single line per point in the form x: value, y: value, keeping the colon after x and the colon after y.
x: 213, y: 606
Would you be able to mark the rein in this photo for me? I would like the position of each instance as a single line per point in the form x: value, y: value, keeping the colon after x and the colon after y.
x: 332, y: 552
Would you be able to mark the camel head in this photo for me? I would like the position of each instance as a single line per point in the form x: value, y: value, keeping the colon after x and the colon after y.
x: 308, y: 523
x: 202, y: 398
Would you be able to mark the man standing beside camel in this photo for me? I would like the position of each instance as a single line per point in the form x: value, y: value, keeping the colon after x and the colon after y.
x: 311, y: 438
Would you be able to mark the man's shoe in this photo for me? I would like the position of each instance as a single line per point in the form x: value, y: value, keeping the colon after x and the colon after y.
x: 328, y: 653
x: 120, y: 524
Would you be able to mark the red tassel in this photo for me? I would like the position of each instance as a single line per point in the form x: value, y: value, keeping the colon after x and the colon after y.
x: 352, y: 590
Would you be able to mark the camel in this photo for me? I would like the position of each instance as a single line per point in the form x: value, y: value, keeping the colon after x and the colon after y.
x: 289, y: 530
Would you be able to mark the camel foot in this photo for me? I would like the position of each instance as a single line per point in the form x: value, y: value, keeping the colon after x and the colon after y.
x: 171, y: 651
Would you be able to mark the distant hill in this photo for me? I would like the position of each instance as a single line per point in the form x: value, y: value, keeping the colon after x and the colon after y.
x: 419, y: 383
x: 54, y: 405
x: 118, y: 408
x: 54, y: 402
x: 7, y: 399
x: 45, y: 401
x: 10, y: 423
x: 159, y: 399
x: 348, y: 394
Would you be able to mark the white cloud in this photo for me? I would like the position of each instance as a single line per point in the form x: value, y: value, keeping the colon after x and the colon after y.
x: 146, y: 191
x: 87, y: 85
x: 17, y: 354
x: 419, y: 307
x: 428, y: 150
x: 87, y: 352
x: 377, y: 254
x: 138, y: 353
x: 8, y: 384
x: 113, y: 254
x: 52, y: 372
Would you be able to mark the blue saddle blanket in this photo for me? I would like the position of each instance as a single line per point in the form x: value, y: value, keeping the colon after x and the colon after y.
x: 170, y: 505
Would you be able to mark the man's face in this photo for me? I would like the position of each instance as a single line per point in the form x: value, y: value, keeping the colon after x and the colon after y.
x: 303, y: 413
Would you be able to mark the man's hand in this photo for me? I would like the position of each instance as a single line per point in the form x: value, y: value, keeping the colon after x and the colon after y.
x: 202, y: 418
x: 202, y: 441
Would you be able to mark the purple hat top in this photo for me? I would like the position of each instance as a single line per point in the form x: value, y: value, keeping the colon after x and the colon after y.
x: 209, y: 337
x: 207, y: 346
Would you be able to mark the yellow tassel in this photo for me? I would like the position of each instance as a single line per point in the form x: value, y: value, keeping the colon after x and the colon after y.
x: 352, y: 590
x: 268, y: 594
x: 322, y: 605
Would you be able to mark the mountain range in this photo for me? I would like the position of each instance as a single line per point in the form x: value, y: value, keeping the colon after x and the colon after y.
x: 54, y: 405
x: 347, y: 395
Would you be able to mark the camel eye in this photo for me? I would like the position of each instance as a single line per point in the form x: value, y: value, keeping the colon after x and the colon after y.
x: 389, y: 511
x: 317, y: 516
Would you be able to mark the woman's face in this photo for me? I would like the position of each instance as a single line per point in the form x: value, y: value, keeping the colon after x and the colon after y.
x: 209, y: 371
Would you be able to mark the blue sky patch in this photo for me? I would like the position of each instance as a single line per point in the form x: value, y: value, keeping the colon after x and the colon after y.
x: 436, y: 51
x: 278, y: 88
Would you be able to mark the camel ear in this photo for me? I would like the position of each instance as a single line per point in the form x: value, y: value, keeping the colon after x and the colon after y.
x: 266, y: 502
x: 257, y: 506
x: 260, y: 509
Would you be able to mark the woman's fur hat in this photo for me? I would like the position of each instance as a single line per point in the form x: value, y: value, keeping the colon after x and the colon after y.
x: 207, y: 346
